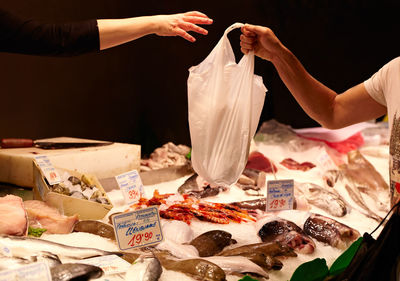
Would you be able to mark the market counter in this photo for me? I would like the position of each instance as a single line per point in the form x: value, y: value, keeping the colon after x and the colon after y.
x: 101, y: 161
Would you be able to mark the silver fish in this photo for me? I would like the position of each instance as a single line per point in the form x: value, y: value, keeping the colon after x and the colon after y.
x: 27, y: 246
x: 75, y: 271
x: 11, y: 262
x: 328, y: 200
x: 146, y: 268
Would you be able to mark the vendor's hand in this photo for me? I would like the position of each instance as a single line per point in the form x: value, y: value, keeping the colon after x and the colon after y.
x: 181, y: 24
x: 261, y: 40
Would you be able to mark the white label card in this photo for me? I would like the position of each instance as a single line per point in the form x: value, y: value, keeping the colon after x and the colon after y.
x: 110, y: 264
x: 47, y: 169
x: 131, y: 186
x: 138, y: 228
x: 38, y: 271
x: 280, y: 195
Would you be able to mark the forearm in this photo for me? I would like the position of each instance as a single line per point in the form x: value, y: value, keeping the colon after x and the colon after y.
x: 118, y: 31
x: 317, y: 100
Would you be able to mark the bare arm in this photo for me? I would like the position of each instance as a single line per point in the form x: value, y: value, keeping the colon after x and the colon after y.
x: 321, y: 103
x: 114, y: 32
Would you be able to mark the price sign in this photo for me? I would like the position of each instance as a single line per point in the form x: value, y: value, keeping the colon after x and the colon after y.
x: 47, y: 169
x: 38, y: 271
x: 131, y: 186
x: 280, y: 195
x: 137, y: 228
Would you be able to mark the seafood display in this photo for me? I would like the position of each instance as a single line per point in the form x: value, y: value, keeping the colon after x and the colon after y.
x: 260, y: 162
x: 44, y: 216
x: 82, y: 188
x: 288, y: 233
x: 199, y: 269
x: 28, y: 246
x: 166, y: 156
x: 197, y: 187
x: 186, y: 208
x: 212, y: 242
x: 327, y: 200
x: 330, y: 231
x: 75, y: 271
x: 294, y: 165
x: 361, y: 174
x: 95, y: 227
x: 145, y: 268
x: 14, y: 220
x: 209, y: 232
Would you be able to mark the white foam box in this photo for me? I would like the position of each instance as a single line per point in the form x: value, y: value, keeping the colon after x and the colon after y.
x: 67, y: 205
x: 101, y: 161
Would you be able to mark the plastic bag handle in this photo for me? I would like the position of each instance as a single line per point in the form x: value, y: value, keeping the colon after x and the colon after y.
x: 232, y: 27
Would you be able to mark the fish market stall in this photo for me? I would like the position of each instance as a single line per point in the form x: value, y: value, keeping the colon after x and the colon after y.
x: 224, y: 233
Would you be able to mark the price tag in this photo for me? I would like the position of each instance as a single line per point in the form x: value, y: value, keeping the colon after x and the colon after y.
x: 131, y: 186
x: 38, y: 271
x: 137, y: 228
x: 110, y: 264
x: 47, y: 169
x: 280, y: 195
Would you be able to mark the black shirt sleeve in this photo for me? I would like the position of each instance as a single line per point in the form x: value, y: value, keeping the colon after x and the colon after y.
x: 24, y: 36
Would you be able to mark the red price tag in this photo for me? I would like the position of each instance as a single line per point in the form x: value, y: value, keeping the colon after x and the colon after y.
x: 133, y: 194
x: 137, y: 238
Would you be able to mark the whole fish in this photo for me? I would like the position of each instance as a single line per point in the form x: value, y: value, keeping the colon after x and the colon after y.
x: 361, y: 173
x: 272, y: 249
x: 288, y: 233
x: 75, y: 271
x: 327, y: 200
x: 197, y: 187
x: 146, y: 268
x: 239, y: 264
x: 256, y: 204
x: 340, y: 181
x: 27, y: 246
x: 198, y: 269
x: 330, y: 231
x: 95, y: 227
x: 212, y: 242
x: 178, y: 250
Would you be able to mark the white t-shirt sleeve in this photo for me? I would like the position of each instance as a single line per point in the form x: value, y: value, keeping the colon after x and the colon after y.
x: 377, y: 85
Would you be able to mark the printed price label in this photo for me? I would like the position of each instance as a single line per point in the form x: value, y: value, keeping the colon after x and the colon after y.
x: 131, y: 186
x: 38, y: 271
x: 137, y: 228
x: 110, y: 264
x: 280, y: 195
x: 47, y: 169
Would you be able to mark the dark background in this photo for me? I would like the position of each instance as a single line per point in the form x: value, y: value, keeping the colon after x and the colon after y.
x: 136, y: 93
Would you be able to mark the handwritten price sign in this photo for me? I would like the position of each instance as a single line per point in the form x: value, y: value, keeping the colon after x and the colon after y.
x: 280, y: 195
x: 49, y: 172
x: 131, y: 186
x: 138, y: 238
x: 138, y: 228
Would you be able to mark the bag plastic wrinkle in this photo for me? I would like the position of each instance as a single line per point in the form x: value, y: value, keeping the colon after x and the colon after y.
x: 225, y: 102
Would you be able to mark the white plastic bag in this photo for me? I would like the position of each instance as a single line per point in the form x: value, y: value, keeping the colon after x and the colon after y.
x: 225, y: 103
